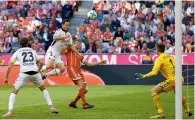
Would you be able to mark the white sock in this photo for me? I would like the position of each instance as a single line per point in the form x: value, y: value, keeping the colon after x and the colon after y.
x: 11, y: 101
x: 47, y: 98
x: 44, y: 67
x: 53, y: 72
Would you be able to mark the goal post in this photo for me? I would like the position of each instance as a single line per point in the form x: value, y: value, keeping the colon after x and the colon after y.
x: 178, y: 59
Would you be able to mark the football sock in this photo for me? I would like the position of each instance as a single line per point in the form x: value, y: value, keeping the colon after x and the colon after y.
x: 156, y: 100
x: 185, y: 104
x: 53, y: 72
x: 77, y: 98
x: 11, y: 101
x: 47, y: 98
x: 82, y: 93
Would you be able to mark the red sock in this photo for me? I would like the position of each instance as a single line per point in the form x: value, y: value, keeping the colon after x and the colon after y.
x: 76, y: 99
x: 82, y: 94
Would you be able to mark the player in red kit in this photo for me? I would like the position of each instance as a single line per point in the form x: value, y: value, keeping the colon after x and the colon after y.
x: 74, y: 63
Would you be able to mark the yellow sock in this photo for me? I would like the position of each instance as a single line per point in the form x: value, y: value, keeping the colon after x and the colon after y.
x: 185, y: 104
x: 156, y: 100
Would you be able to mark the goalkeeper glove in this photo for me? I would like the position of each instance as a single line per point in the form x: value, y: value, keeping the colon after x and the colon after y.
x: 139, y: 76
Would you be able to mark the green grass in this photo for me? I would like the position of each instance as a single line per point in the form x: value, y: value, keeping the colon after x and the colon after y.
x: 111, y: 102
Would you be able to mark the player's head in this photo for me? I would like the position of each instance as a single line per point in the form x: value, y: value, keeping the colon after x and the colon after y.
x: 77, y: 43
x: 160, y: 48
x: 66, y: 25
x: 24, y: 42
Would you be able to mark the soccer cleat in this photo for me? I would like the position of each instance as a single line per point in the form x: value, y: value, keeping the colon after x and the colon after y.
x: 53, y: 110
x: 73, y: 105
x: 7, y: 115
x: 158, y: 116
x: 87, y: 106
x: 189, y: 114
x: 43, y: 77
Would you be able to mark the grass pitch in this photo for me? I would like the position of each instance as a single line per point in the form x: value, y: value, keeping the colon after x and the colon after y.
x: 111, y: 102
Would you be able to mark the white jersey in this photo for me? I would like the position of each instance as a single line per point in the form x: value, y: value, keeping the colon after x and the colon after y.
x: 27, y: 58
x: 59, y: 45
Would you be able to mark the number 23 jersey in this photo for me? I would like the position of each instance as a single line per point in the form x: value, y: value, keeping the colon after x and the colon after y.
x: 27, y: 58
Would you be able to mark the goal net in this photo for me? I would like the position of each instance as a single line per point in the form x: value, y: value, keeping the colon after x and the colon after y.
x: 188, y: 88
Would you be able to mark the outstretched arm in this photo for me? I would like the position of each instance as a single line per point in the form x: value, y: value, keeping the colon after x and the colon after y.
x: 154, y: 71
x: 95, y: 63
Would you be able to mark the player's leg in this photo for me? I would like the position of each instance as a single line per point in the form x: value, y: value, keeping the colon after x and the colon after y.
x: 78, y: 79
x: 39, y: 83
x: 81, y: 94
x: 20, y: 82
x: 59, y: 68
x: 49, y: 59
x: 164, y: 86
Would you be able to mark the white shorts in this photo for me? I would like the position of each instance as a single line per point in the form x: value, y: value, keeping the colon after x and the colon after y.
x: 23, y: 79
x: 51, y: 54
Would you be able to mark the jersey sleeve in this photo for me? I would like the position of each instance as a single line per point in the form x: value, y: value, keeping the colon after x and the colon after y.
x: 57, y: 33
x: 14, y: 57
x: 155, y: 69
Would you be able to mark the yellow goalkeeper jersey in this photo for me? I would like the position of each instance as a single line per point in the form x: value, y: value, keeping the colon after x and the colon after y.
x: 166, y: 65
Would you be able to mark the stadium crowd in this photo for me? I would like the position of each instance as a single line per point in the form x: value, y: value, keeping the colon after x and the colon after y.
x: 120, y: 27
x: 136, y: 26
x: 36, y: 19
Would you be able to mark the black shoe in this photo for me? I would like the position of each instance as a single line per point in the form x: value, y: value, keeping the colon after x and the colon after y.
x: 189, y: 114
x: 72, y: 105
x: 43, y: 77
x: 87, y: 106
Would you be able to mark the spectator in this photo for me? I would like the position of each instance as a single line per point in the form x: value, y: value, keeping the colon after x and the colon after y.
x: 191, y: 10
x: 169, y: 49
x: 132, y: 45
x: 118, y: 48
x: 151, y: 44
x: 144, y: 48
x: 47, y: 38
x: 105, y: 23
x: 107, y: 39
x: 141, y: 41
x: 59, y: 18
x: 37, y: 46
x: 125, y: 49
x: 115, y: 23
x: 7, y: 48
x: 15, y: 46
x: 147, y: 59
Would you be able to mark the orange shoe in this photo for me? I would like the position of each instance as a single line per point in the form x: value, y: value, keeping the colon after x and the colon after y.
x: 7, y: 115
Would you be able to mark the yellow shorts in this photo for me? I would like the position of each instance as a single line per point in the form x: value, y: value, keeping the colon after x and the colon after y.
x: 168, y: 85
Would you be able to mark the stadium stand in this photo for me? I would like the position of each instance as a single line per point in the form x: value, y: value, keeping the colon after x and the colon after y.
x: 121, y: 26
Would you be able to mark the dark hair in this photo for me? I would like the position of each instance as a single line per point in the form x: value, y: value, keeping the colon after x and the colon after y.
x: 65, y: 20
x: 24, y: 42
x: 161, y: 47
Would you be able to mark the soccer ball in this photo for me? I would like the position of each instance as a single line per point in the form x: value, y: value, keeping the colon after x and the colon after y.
x: 159, y: 2
x: 91, y: 14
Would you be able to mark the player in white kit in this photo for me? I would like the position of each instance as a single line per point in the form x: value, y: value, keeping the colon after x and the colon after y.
x: 61, y: 40
x: 29, y: 72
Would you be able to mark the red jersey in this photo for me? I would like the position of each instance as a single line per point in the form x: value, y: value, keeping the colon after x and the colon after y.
x: 73, y: 59
x: 108, y: 35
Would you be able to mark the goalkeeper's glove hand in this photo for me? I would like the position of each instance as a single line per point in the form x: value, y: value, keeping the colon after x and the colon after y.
x: 139, y: 76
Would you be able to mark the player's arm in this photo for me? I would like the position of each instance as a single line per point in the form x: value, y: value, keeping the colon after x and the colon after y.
x: 154, y: 71
x: 40, y: 65
x: 11, y: 64
x: 91, y: 64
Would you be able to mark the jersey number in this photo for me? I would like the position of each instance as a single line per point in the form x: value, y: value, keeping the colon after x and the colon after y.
x: 172, y: 65
x: 28, y: 57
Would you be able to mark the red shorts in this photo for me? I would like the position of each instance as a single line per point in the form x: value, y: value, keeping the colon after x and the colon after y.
x: 74, y: 73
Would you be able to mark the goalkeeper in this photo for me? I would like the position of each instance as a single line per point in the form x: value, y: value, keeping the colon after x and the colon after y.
x: 166, y: 64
